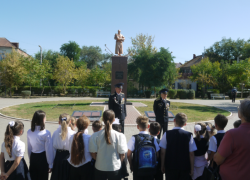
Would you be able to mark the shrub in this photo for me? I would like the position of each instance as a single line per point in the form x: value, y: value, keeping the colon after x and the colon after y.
x: 172, y: 93
x: 183, y: 94
x: 25, y: 93
x: 148, y: 94
x: 191, y: 94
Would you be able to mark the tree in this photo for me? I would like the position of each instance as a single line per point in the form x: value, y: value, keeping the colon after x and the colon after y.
x: 82, y: 74
x: 240, y: 73
x: 95, y: 77
x: 153, y: 69
x: 72, y: 50
x: 140, y: 42
x: 65, y: 71
x: 49, y: 55
x: 12, y: 71
x: 92, y: 55
x: 228, y: 50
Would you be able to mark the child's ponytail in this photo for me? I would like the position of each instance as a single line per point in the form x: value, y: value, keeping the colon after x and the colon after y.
x: 108, y: 117
x: 13, y: 129
x: 200, y: 129
x: 65, y: 119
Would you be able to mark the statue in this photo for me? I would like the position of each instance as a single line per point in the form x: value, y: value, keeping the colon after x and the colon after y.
x: 119, y: 39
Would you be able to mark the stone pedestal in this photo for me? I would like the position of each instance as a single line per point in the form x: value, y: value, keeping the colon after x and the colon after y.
x: 119, y: 73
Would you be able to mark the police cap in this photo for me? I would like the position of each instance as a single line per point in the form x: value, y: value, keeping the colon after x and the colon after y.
x: 164, y: 91
x: 119, y: 85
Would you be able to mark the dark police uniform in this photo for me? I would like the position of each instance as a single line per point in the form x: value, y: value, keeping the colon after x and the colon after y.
x: 117, y: 103
x: 161, y: 112
x: 234, y: 93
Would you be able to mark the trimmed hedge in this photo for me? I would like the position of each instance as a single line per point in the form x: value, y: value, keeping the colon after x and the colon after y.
x: 26, y: 93
x: 172, y: 93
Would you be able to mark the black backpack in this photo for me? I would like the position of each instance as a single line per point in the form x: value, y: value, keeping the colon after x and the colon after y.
x: 144, y: 155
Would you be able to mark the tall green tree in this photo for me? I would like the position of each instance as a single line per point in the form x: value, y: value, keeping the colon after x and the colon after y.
x: 92, y: 55
x: 12, y: 72
x: 72, y: 50
x: 82, y: 74
x: 65, y: 72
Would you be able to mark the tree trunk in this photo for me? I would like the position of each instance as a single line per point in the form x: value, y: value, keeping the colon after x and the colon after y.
x: 42, y: 90
x: 50, y: 87
x: 241, y: 90
x: 30, y: 87
x: 10, y: 91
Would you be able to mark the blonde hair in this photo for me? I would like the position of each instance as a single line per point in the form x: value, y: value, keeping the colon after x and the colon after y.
x: 73, y: 123
x: 142, y: 122
x: 64, y: 119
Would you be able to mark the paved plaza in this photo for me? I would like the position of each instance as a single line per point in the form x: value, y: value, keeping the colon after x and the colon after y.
x: 129, y: 128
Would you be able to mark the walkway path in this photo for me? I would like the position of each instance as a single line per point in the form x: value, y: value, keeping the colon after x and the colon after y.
x: 129, y: 130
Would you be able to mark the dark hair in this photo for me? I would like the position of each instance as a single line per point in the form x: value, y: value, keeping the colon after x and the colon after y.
x: 117, y: 127
x: 202, y: 131
x: 221, y: 121
x: 237, y: 123
x: 77, y: 148
x: 181, y: 119
x: 37, y: 120
x: 142, y: 122
x: 212, y: 128
x: 244, y: 109
x: 97, y: 125
x: 155, y: 127
x: 108, y: 117
x: 9, y: 135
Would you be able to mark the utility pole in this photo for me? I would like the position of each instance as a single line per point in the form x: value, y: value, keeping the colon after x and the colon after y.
x: 41, y: 61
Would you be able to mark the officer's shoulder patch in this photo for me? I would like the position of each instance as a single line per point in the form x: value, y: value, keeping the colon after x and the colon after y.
x: 113, y: 94
x: 157, y: 99
x: 122, y: 93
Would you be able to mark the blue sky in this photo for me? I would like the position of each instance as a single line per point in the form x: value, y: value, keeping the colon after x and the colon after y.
x: 183, y: 26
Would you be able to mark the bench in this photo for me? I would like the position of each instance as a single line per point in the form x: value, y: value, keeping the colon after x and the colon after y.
x: 102, y: 93
x: 218, y: 96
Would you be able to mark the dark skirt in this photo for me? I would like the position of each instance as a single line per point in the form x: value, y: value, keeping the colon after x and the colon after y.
x: 39, y: 166
x: 60, y: 165
x: 20, y: 173
x: 80, y: 173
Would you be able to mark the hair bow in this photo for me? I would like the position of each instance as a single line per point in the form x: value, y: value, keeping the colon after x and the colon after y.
x: 64, y: 119
x: 208, y: 128
x: 197, y: 127
x: 12, y: 123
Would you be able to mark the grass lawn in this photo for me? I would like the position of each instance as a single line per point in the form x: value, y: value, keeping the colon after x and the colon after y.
x: 26, y: 111
x: 194, y: 112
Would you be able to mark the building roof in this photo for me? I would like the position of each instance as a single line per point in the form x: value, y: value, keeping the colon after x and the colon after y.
x: 192, y: 62
x: 177, y: 65
x: 6, y: 43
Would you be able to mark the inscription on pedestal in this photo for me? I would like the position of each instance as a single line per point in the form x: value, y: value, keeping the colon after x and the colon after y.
x: 118, y: 75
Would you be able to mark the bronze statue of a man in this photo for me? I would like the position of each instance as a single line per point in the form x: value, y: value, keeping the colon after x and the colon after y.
x: 119, y: 40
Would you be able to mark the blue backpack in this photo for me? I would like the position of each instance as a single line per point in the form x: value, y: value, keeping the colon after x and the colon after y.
x: 144, y: 155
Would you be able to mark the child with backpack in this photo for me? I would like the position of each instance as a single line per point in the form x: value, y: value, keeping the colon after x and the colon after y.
x: 154, y: 130
x: 177, y: 151
x: 143, y: 152
x: 201, y: 140
x: 12, y: 163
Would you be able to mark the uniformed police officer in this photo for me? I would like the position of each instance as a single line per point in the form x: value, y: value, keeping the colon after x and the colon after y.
x: 118, y: 105
x: 161, y: 106
x: 234, y: 94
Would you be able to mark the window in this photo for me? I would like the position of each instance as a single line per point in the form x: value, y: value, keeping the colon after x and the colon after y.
x: 2, y: 54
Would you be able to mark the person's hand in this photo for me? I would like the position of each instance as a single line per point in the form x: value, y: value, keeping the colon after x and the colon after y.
x: 131, y: 168
x: 163, y: 169
x: 4, y: 176
x: 50, y: 170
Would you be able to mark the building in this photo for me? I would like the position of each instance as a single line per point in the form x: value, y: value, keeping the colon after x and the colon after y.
x: 6, y: 47
x: 185, y: 69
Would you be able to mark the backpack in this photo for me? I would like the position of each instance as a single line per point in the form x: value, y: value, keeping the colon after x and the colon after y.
x: 144, y: 155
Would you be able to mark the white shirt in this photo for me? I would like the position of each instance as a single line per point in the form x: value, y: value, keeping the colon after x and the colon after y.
x: 58, y: 143
x: 213, y: 142
x: 86, y: 150
x: 131, y: 142
x: 192, y: 145
x: 40, y: 141
x: 108, y: 158
x: 18, y: 149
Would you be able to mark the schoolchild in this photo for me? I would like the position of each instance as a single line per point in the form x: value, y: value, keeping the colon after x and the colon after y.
x: 220, y: 122
x: 154, y: 130
x: 79, y: 152
x: 202, y: 141
x: 40, y: 147
x: 237, y: 123
x: 72, y: 123
x: 12, y: 163
x: 133, y: 153
x: 177, y: 151
x: 96, y: 126
x: 61, y: 146
x: 116, y: 125
x: 210, y: 129
x: 108, y: 147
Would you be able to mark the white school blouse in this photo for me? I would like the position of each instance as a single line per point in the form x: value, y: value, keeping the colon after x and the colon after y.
x: 86, y: 150
x: 213, y: 142
x: 18, y: 149
x: 108, y: 158
x: 60, y: 144
x: 40, y: 141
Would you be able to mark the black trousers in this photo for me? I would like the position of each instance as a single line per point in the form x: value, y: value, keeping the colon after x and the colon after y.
x: 110, y: 175
x: 39, y: 166
x: 122, y: 125
x: 177, y: 175
x: 158, y: 175
x: 164, y: 128
x: 135, y: 177
x: 80, y: 173
x: 233, y: 98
